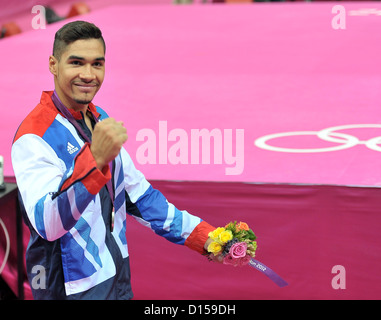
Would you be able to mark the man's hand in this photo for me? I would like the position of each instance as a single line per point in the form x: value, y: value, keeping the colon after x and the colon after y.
x: 108, y: 138
x: 213, y: 258
x: 207, y: 243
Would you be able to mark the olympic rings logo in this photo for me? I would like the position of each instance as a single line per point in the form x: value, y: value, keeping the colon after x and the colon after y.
x: 344, y: 140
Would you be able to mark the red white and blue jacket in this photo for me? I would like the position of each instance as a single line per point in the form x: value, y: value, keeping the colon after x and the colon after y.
x: 68, y: 209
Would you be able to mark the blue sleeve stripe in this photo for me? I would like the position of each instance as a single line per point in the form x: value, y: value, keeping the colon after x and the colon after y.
x: 65, y: 211
x: 164, y: 218
x: 82, y: 196
x: 173, y: 233
x: 177, y: 226
x: 69, y: 207
x: 72, y: 203
x: 39, y: 217
x: 153, y: 208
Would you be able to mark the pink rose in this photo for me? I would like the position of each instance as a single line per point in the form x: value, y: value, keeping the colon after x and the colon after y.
x: 245, y: 260
x: 238, y: 250
x: 228, y: 259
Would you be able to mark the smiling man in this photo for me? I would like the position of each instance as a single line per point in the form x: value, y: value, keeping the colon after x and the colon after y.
x: 79, y: 68
x: 77, y: 182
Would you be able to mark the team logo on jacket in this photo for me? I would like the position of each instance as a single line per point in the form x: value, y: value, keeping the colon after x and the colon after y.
x: 71, y: 149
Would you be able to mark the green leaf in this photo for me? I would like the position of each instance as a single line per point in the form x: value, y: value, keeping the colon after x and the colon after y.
x: 251, y: 235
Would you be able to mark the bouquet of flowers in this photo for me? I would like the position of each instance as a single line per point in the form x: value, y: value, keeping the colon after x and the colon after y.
x: 235, y: 244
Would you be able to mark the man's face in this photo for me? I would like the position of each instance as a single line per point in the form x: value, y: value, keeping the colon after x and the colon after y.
x: 79, y: 73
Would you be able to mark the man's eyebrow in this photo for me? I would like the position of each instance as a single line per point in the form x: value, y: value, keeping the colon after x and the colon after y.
x: 76, y: 58
x: 82, y: 58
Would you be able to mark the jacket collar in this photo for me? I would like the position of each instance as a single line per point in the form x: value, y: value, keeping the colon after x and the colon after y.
x: 46, y: 98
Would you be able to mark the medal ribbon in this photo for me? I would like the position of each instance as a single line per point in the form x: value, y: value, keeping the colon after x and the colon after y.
x: 268, y: 272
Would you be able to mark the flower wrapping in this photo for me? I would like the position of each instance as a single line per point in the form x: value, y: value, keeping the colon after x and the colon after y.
x: 235, y: 244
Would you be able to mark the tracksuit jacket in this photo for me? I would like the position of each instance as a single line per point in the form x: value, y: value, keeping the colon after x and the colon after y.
x: 68, y: 209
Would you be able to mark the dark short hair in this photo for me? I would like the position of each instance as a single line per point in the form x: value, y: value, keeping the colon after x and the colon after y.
x: 73, y: 31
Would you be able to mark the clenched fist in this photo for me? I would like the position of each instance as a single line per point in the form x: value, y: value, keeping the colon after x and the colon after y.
x: 108, y: 138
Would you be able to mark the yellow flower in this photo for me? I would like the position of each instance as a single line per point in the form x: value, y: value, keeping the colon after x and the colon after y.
x: 215, y: 233
x: 214, y: 248
x: 225, y: 236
